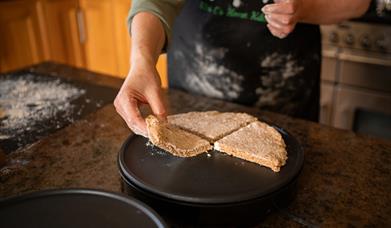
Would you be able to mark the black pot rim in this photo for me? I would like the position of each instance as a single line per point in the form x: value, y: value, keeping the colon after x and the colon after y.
x: 154, y: 216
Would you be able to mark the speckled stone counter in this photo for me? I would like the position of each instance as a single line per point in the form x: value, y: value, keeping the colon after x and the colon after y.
x: 345, y: 181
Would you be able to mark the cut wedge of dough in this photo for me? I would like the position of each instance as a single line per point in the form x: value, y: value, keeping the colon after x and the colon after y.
x: 257, y: 142
x: 175, y: 140
x: 237, y: 134
x: 211, y: 125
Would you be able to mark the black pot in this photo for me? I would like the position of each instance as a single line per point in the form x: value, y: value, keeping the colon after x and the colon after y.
x: 246, y: 213
x: 76, y: 208
x: 214, y: 189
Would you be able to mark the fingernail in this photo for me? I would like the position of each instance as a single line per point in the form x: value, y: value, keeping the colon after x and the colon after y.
x: 275, y: 25
x: 265, y: 9
x: 282, y: 36
x: 267, y: 16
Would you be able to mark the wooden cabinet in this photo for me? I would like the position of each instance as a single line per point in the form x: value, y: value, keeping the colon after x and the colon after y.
x: 162, y: 69
x: 122, y: 39
x: 23, y: 37
x: 85, y: 33
x: 100, y: 44
x: 63, y: 31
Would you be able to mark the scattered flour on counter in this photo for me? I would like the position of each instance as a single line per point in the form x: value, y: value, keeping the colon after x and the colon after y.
x: 25, y: 101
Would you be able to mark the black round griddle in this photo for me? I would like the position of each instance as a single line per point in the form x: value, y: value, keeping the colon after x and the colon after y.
x: 211, y: 178
x: 208, y: 189
x: 76, y: 208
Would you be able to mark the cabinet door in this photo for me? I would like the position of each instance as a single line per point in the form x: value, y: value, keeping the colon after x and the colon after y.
x: 23, y: 36
x: 162, y: 69
x: 100, y: 43
x: 122, y: 38
x: 63, y: 31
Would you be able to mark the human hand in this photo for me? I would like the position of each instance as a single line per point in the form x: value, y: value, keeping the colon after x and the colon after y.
x: 142, y: 86
x: 282, y: 16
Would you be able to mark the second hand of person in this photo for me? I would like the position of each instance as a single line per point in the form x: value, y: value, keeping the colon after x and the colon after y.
x: 282, y: 16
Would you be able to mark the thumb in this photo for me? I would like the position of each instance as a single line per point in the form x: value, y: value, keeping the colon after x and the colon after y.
x: 155, y: 101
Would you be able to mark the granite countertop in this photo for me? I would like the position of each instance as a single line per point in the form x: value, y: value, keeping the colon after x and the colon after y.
x: 345, y: 180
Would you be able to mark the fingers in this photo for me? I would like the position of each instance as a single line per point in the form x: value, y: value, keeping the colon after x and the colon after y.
x: 134, y: 119
x: 128, y: 108
x: 281, y: 17
x: 279, y: 29
x: 127, y: 105
x: 280, y: 7
x: 273, y: 21
x: 276, y: 32
x: 155, y: 101
x: 140, y: 87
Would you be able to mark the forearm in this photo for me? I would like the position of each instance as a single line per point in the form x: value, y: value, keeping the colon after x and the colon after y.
x: 165, y: 10
x: 331, y: 11
x: 142, y: 85
x: 147, y: 37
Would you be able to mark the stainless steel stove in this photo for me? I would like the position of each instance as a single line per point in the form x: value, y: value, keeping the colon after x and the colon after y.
x: 356, y: 77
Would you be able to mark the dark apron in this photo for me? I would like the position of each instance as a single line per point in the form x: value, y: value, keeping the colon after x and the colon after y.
x: 223, y: 49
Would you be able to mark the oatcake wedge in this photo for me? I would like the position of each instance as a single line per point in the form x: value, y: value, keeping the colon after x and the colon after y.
x: 211, y: 125
x: 257, y: 142
x: 175, y: 140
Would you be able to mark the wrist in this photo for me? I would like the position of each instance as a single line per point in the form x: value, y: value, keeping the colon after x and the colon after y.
x: 143, y: 68
x: 142, y: 60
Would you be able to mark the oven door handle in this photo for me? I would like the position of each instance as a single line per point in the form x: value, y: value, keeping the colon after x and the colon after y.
x: 364, y: 59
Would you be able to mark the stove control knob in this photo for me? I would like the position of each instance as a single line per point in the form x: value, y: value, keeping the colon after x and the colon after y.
x: 381, y: 43
x: 333, y: 37
x: 365, y: 42
x: 349, y: 39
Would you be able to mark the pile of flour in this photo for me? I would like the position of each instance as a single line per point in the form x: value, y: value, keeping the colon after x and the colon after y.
x: 24, y: 102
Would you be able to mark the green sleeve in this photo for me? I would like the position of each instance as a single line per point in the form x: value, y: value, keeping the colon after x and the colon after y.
x: 165, y: 10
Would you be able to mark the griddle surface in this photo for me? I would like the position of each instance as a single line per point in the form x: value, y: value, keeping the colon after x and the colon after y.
x: 216, y: 178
